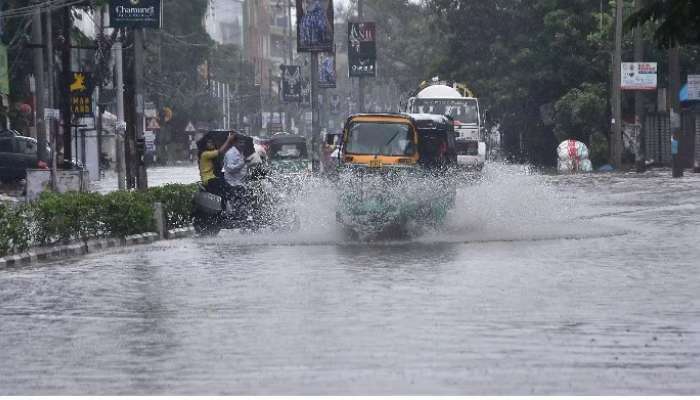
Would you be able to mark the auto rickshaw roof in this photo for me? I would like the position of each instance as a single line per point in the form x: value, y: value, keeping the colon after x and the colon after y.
x: 381, y: 117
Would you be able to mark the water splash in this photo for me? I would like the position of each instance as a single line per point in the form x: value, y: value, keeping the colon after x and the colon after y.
x: 504, y: 203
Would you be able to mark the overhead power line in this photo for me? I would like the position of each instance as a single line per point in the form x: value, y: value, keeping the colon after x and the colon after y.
x: 25, y: 11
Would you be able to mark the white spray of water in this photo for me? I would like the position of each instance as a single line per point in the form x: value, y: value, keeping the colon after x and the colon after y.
x: 507, y: 203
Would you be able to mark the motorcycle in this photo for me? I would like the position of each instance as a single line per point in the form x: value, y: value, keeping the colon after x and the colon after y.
x: 251, y: 208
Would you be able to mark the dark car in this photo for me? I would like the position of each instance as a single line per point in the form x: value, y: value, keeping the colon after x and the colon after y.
x: 17, y: 154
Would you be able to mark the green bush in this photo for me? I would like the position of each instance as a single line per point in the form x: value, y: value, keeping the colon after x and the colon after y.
x: 126, y: 213
x: 14, y: 230
x: 65, y: 217
x: 55, y: 217
x: 177, y: 203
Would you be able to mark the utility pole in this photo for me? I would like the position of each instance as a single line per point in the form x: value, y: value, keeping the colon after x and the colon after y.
x: 121, y: 125
x: 675, y: 109
x: 99, y: 23
x: 65, y: 89
x: 52, y: 96
x: 639, y: 114
x: 40, y: 92
x: 361, y: 81
x: 315, y: 117
x: 141, y: 175
x: 616, y: 139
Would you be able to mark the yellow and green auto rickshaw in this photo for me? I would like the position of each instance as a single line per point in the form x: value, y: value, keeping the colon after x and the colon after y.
x: 390, y: 173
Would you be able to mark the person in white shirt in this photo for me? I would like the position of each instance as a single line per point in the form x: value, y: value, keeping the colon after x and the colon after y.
x: 235, y: 169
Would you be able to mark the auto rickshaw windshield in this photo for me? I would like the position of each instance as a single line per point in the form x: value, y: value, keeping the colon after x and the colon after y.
x: 387, y: 139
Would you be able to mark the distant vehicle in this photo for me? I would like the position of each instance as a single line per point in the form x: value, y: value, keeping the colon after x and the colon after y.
x: 437, y: 142
x: 441, y: 97
x: 288, y: 153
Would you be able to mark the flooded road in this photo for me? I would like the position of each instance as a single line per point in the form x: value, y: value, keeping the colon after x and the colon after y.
x: 537, y: 285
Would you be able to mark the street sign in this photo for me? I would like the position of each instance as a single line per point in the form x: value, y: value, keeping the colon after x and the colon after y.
x: 314, y: 25
x: 190, y: 127
x: 152, y: 124
x: 52, y: 114
x: 135, y: 13
x: 80, y: 90
x: 362, y: 49
x: 693, y: 87
x: 639, y: 76
x: 150, y: 141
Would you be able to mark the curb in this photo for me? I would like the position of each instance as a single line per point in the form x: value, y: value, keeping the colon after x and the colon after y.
x: 180, y: 233
x: 80, y: 249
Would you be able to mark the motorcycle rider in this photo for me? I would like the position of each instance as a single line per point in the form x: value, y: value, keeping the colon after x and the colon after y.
x: 208, y: 162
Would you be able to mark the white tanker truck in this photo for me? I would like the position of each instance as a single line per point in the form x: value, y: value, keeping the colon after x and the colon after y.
x: 456, y: 101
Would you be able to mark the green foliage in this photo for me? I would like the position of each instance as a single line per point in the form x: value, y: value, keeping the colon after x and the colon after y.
x: 599, y: 150
x: 65, y: 217
x: 177, y: 203
x: 676, y: 21
x: 57, y: 218
x: 520, y: 56
x: 581, y: 113
x: 126, y: 213
x: 14, y: 231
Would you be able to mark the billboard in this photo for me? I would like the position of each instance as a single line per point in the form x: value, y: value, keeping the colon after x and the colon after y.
x: 135, y: 13
x: 362, y: 49
x: 639, y: 76
x: 693, y: 87
x: 314, y: 25
x: 326, y: 70
x: 291, y: 83
x: 80, y: 89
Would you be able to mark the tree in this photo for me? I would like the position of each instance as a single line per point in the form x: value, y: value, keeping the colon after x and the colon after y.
x: 677, y: 21
x: 521, y: 57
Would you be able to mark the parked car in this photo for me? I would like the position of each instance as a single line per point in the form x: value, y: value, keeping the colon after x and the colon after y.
x: 18, y: 154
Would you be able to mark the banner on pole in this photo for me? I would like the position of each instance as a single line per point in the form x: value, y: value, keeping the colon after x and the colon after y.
x: 80, y: 90
x: 639, y: 76
x: 291, y: 83
x: 362, y: 49
x: 327, y: 77
x: 135, y: 14
x: 306, y: 92
x: 314, y: 25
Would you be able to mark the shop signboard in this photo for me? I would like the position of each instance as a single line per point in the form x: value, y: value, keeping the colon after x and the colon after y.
x: 639, y: 76
x: 135, y: 13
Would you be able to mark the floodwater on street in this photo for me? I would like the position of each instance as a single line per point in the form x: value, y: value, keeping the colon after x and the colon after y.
x: 157, y: 176
x: 538, y: 284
